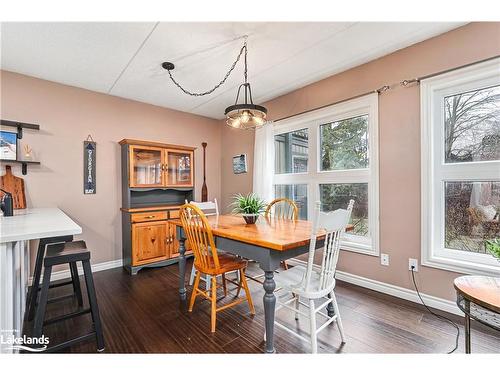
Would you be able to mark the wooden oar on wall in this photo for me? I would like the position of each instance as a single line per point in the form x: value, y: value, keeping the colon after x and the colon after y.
x: 204, y: 189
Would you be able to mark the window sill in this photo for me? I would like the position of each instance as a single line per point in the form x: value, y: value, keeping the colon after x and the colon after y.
x: 366, y: 249
x: 461, y: 266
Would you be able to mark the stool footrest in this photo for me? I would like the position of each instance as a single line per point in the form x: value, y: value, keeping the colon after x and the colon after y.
x: 63, y: 283
x: 57, y: 285
x: 60, y: 298
x: 66, y: 316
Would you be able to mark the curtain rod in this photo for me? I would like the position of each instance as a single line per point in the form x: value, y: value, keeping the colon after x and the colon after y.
x: 403, y: 83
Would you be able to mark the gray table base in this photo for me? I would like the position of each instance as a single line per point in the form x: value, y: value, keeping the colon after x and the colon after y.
x: 269, y: 260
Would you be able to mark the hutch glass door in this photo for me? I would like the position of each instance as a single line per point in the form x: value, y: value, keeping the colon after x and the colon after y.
x: 179, y: 171
x: 146, y: 164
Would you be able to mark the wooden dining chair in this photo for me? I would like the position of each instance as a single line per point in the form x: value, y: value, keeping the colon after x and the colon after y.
x: 314, y: 283
x: 207, y: 261
x: 282, y: 208
x: 209, y: 209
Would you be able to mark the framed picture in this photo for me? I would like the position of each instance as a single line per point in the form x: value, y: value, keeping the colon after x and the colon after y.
x: 8, y: 145
x: 240, y: 164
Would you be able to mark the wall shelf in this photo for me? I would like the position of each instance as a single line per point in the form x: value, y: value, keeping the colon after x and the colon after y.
x: 24, y: 164
x: 20, y: 126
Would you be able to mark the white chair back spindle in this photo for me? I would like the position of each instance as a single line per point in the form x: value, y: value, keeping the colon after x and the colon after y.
x: 332, y: 225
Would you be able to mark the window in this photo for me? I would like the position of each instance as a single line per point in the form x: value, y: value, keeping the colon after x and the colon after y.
x: 297, y: 193
x: 344, y: 144
x: 291, y: 151
x: 461, y: 168
x: 334, y: 196
x: 331, y: 155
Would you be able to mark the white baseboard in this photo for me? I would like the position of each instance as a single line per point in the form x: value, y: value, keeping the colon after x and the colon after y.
x: 65, y: 274
x: 393, y: 290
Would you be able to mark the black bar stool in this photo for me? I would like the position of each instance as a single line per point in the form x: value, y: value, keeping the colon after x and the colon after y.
x: 67, y: 253
x: 32, y: 299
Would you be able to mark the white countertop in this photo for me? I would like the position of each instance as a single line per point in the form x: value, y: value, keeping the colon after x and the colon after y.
x: 34, y: 223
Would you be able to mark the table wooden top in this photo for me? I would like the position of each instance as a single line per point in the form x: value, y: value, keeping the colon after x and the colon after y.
x: 482, y: 290
x: 276, y: 234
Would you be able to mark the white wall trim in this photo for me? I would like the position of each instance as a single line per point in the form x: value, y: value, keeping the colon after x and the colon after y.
x: 65, y: 274
x: 393, y: 290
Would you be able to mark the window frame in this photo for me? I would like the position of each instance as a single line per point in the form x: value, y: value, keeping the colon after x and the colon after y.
x: 365, y: 105
x: 435, y: 171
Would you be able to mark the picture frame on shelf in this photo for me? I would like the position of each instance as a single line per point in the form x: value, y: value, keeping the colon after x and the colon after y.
x: 8, y: 145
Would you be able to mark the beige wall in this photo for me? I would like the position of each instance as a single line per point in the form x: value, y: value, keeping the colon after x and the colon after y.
x: 399, y: 137
x: 66, y: 116
x: 235, y: 142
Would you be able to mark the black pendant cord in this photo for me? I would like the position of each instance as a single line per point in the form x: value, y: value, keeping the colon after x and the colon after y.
x: 243, y: 49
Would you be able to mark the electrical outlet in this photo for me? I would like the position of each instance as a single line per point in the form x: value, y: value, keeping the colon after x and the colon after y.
x: 384, y: 259
x: 413, y: 263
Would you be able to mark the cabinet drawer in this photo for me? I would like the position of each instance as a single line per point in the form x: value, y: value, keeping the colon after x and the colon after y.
x: 148, y: 216
x: 174, y: 214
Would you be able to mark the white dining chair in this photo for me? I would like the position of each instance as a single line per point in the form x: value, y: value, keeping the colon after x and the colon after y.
x: 315, y: 283
x: 208, y: 208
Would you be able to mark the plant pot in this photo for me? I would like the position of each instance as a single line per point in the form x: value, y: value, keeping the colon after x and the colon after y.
x: 250, y: 218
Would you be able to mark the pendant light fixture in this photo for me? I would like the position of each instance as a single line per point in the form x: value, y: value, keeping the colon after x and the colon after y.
x: 244, y: 115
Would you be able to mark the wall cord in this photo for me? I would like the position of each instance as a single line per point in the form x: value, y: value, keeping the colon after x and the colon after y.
x: 435, y: 314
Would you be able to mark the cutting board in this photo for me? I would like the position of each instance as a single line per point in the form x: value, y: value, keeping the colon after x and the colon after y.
x: 15, y: 186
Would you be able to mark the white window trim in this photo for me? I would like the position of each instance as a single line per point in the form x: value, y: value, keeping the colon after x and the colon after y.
x: 435, y: 171
x: 314, y: 176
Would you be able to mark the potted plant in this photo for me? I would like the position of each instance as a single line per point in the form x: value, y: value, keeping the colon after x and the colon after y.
x: 493, y: 246
x: 249, y: 206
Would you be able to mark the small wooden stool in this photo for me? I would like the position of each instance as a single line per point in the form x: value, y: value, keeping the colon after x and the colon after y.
x: 67, y: 253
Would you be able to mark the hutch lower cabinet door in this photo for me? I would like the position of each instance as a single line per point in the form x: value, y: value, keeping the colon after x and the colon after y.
x: 149, y: 241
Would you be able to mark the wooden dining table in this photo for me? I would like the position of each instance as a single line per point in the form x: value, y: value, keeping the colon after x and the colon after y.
x: 268, y: 242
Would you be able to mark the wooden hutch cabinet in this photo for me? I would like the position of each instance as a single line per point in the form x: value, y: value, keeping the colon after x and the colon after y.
x: 156, y: 180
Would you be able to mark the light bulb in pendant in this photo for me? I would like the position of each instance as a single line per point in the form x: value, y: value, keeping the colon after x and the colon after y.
x: 245, y: 116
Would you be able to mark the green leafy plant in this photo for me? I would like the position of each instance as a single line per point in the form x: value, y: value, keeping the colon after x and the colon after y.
x: 493, y: 246
x: 249, y: 204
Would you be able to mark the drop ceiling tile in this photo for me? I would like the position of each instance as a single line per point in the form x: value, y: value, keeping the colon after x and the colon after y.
x: 90, y: 55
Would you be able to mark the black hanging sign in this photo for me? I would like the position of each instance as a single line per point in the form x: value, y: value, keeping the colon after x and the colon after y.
x: 89, y: 166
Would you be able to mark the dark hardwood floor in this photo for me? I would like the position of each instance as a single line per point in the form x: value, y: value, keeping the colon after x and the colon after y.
x: 143, y: 314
